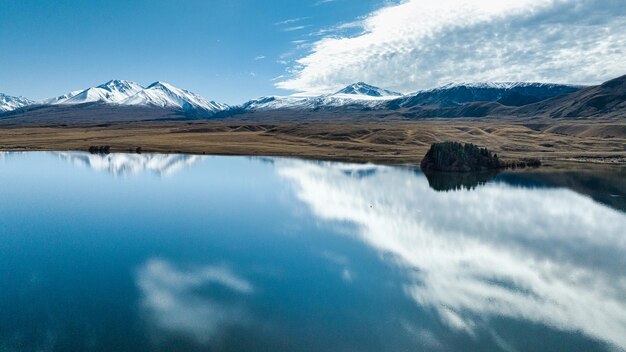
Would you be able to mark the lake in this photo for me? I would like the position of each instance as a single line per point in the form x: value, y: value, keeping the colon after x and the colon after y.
x: 143, y: 252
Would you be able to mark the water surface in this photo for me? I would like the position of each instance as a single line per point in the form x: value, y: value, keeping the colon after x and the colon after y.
x: 129, y: 252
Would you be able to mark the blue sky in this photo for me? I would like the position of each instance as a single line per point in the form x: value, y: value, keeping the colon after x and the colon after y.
x: 229, y: 51
x: 232, y: 51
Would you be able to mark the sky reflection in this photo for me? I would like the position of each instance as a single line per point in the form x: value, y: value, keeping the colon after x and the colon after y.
x: 498, y: 251
x: 248, y: 254
x: 176, y: 300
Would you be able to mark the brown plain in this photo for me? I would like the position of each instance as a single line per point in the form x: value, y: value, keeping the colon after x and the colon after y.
x: 390, y: 142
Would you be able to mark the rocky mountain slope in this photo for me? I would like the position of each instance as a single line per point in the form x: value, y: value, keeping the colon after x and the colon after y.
x: 10, y: 103
x: 125, y: 93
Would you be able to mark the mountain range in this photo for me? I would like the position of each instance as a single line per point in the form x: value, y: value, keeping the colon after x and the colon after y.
x: 161, y: 100
x: 9, y: 103
x: 604, y: 100
x: 121, y: 93
x: 357, y: 96
x: 126, y: 93
x: 505, y: 93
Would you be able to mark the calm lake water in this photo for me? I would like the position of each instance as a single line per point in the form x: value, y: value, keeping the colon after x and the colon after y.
x: 190, y: 253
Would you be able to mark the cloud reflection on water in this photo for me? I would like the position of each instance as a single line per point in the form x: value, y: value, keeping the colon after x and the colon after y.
x: 548, y: 256
x: 179, y: 301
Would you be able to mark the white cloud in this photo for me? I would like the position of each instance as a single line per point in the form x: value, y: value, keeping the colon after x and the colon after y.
x: 420, y: 44
x: 295, y: 28
x: 321, y: 2
x: 499, y: 251
x: 290, y: 20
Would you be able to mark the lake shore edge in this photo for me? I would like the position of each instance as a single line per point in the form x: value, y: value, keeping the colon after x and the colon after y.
x: 385, y: 143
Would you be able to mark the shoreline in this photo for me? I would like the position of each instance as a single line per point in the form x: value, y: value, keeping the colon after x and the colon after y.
x: 401, y: 143
x: 549, y: 164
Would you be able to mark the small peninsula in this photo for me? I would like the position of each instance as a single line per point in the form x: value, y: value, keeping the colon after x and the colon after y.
x: 460, y: 157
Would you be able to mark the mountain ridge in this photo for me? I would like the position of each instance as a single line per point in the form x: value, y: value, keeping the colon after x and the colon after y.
x: 479, y: 99
x: 458, y: 94
x: 9, y: 103
x: 604, y: 100
x: 354, y: 96
x: 608, y: 98
x: 128, y: 93
x: 361, y: 88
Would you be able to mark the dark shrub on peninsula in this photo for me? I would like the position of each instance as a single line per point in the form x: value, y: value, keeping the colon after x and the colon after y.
x: 460, y: 157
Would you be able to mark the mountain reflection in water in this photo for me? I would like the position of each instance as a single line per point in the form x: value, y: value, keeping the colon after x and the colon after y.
x: 125, y: 163
x: 241, y: 254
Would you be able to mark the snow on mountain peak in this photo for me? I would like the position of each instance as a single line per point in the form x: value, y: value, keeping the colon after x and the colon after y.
x: 113, y: 91
x: 357, y: 95
x: 121, y: 92
x: 122, y: 86
x: 361, y: 88
x: 159, y: 84
x: 10, y: 103
x: 165, y: 95
x: 498, y: 85
x: 506, y: 93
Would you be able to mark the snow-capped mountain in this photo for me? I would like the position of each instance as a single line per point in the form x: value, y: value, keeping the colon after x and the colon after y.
x: 449, y: 100
x: 506, y: 93
x: 9, y: 103
x: 365, y: 89
x: 366, y: 97
x: 166, y: 96
x: 114, y: 92
x: 357, y: 96
x: 127, y: 93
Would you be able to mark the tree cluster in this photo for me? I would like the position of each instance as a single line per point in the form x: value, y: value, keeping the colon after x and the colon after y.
x: 460, y: 157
